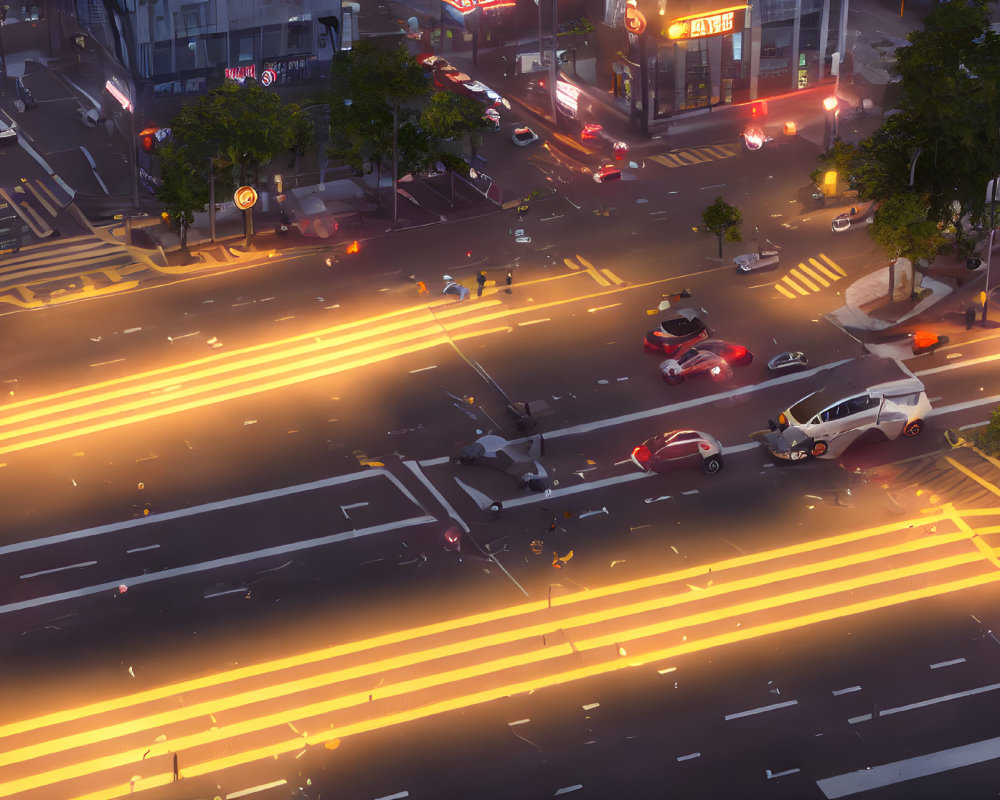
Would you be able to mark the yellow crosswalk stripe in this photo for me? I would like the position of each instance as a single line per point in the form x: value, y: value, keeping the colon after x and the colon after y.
x: 814, y: 275
x: 833, y: 264
x: 690, y: 157
x: 795, y: 286
x: 834, y: 276
x: 799, y: 276
x: 592, y: 271
x: 614, y: 278
x: 784, y: 291
x: 665, y: 160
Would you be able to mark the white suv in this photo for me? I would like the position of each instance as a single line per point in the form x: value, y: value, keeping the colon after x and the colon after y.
x: 868, y: 394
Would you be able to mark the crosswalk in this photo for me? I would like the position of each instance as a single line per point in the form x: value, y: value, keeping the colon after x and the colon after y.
x: 66, y: 269
x: 809, y: 277
x: 603, y: 277
x: 685, y: 157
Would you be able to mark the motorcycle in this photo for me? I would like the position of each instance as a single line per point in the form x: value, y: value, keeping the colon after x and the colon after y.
x: 926, y: 342
x: 789, y: 361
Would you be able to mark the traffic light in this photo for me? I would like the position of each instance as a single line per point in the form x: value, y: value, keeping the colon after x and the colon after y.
x: 147, y: 140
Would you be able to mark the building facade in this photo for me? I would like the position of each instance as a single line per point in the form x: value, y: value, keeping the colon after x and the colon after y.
x: 669, y: 57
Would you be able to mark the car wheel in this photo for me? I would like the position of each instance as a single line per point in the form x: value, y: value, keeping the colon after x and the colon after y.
x: 673, y: 380
x: 712, y: 464
x: 913, y: 428
x: 818, y: 449
x: 744, y: 268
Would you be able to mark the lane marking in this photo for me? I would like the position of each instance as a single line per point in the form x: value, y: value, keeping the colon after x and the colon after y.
x: 614, y: 278
x: 533, y: 322
x: 924, y: 703
x: 254, y: 789
x: 834, y: 265
x: 602, y: 308
x: 568, y: 789
x: 795, y: 273
x: 784, y: 291
x: 689, y: 756
x: 397, y: 796
x: 143, y: 549
x: 848, y: 690
x: 519, y: 722
x: 761, y: 710
x: 795, y: 286
x: 951, y: 663
x: 81, y: 565
x: 813, y: 274
x: 591, y: 706
x: 781, y: 774
x: 909, y: 768
x: 828, y: 272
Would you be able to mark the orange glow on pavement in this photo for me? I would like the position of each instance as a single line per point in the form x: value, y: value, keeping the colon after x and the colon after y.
x: 442, y: 667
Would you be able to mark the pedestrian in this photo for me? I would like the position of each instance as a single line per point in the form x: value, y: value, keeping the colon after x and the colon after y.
x: 481, y: 281
x: 970, y: 317
x: 177, y: 774
x: 510, y: 280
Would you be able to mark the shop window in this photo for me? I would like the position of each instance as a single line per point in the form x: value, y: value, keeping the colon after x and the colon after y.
x: 299, y: 37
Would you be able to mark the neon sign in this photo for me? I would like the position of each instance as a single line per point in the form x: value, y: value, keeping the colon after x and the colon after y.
x: 725, y: 20
x: 241, y: 73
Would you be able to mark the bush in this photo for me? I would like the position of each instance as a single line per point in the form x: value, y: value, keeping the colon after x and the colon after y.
x: 988, y: 440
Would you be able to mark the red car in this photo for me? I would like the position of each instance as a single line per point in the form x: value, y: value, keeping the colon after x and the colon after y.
x: 712, y: 357
x: 679, y: 450
x: 684, y: 326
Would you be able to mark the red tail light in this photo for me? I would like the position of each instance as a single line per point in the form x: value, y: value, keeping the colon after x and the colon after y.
x: 641, y: 454
x: 704, y: 445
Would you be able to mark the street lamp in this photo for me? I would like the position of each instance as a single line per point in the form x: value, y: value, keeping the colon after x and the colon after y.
x: 832, y: 108
x: 991, y: 198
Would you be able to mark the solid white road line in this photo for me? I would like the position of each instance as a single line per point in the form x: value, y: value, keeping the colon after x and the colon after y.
x: 933, y: 701
x: 689, y: 756
x: 81, y: 565
x: 848, y: 690
x: 254, y: 789
x: 780, y: 774
x: 761, y: 710
x: 909, y: 769
x: 415, y: 469
x: 951, y: 663
x: 194, y: 511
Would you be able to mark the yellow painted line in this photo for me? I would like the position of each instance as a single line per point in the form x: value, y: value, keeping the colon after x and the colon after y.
x: 571, y: 263
x: 795, y: 286
x: 566, y: 140
x: 597, y: 276
x: 784, y: 291
x: 665, y: 160
x: 614, y: 278
x: 992, y: 487
x: 799, y: 276
x: 834, y: 264
x: 815, y: 275
x: 684, y: 156
x: 835, y: 276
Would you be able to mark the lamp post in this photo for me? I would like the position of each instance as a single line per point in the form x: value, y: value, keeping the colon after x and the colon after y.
x: 830, y: 105
x: 991, y: 196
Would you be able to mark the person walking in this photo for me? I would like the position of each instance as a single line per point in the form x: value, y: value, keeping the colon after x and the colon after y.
x: 481, y: 281
x: 510, y: 280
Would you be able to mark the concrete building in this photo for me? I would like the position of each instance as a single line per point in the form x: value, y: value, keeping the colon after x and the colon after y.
x: 670, y: 57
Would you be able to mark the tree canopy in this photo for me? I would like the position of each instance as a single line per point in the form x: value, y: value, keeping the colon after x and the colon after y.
x: 724, y: 221
x: 945, y: 129
x: 184, y: 189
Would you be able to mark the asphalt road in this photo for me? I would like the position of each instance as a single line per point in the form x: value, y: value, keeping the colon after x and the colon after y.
x: 364, y: 551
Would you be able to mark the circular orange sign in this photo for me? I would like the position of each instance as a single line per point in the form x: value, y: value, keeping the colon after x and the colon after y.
x: 635, y: 22
x: 245, y: 197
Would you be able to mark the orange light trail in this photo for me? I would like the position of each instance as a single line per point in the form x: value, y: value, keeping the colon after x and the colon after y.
x: 445, y: 664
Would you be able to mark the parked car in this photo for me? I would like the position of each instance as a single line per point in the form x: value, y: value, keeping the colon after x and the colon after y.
x: 682, y: 326
x: 854, y: 218
x: 711, y: 358
x: 515, y: 457
x: 862, y: 396
x: 8, y: 133
x: 524, y: 136
x: 679, y: 450
x: 607, y: 172
x: 751, y: 262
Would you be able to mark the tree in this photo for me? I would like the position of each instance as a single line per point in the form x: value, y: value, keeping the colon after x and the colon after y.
x: 244, y: 126
x: 184, y: 189
x: 724, y: 221
x: 373, y: 92
x: 451, y: 116
x: 988, y: 440
x: 945, y: 129
x: 901, y: 226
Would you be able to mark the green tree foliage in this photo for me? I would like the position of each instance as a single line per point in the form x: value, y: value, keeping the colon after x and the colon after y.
x: 245, y: 126
x: 724, y: 221
x: 184, y: 190
x: 451, y: 116
x: 946, y: 126
x: 902, y: 228
x: 988, y: 440
x: 367, y: 85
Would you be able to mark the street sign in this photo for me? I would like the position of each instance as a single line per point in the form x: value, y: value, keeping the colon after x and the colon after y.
x: 245, y: 197
x: 267, y: 77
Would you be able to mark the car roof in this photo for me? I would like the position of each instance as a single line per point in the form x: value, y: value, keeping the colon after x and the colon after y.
x: 859, y: 376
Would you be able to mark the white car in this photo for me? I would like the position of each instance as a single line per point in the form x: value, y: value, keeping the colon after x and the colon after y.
x: 855, y: 217
x: 867, y: 395
x: 8, y: 133
x: 523, y: 136
x: 750, y: 262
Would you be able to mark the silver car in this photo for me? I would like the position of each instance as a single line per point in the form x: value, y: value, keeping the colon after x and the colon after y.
x: 864, y: 395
